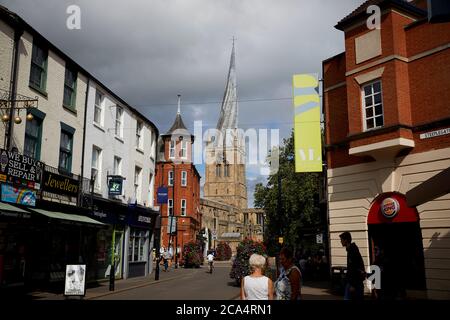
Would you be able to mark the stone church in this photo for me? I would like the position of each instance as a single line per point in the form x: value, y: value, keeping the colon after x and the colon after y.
x: 225, y: 213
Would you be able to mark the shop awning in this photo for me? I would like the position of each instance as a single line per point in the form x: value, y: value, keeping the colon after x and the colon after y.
x: 8, y: 207
x: 65, y: 216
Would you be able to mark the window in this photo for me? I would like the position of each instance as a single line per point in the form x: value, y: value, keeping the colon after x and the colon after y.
x: 218, y: 171
x: 96, y: 167
x: 170, y: 207
x: 119, y: 115
x: 183, y: 207
x: 138, y: 241
x: 137, y: 184
x: 70, y: 85
x: 117, y: 166
x: 38, y: 73
x: 139, y: 126
x: 226, y: 170
x: 172, y: 149
x: 33, y: 136
x: 98, y: 109
x: 170, y: 182
x: 150, y: 189
x: 183, y: 149
x: 372, y: 106
x: 183, y: 178
x: 65, y: 151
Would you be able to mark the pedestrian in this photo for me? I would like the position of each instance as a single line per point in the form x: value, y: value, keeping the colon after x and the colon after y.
x: 257, y: 286
x: 288, y: 284
x: 210, y: 258
x: 354, y: 289
x: 166, y: 257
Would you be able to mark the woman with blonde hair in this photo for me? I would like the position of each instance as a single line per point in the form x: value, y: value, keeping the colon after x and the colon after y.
x: 257, y: 286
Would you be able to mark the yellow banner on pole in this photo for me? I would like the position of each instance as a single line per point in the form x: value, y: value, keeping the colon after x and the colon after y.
x: 307, y: 133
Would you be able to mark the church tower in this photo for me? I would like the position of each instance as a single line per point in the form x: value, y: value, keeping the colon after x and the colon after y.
x: 225, y: 180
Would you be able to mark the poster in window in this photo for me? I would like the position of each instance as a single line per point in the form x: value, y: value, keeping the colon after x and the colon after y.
x: 75, y: 282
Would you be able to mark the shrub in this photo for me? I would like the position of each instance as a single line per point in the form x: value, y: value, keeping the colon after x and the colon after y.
x: 241, y: 266
x: 223, y: 251
x: 192, y: 254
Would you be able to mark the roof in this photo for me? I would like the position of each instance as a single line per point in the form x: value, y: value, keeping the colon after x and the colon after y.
x: 16, y: 22
x: 178, y: 124
x: 361, y: 11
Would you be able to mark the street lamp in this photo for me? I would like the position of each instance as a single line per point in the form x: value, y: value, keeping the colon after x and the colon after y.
x: 9, y: 104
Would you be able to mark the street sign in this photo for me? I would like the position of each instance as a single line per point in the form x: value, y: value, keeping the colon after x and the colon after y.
x: 280, y: 240
x: 319, y: 238
x: 162, y: 195
x: 172, y: 224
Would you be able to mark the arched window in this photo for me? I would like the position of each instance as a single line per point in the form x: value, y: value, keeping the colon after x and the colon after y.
x: 218, y: 170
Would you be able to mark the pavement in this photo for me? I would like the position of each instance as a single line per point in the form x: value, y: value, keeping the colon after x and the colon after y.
x: 182, y: 284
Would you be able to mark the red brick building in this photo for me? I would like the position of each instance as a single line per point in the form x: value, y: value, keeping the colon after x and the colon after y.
x: 176, y: 171
x: 387, y: 114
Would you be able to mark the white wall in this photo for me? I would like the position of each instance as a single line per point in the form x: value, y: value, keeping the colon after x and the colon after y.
x: 51, y: 105
x: 104, y: 137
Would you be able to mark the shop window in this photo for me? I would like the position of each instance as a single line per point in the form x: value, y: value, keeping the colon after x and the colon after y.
x: 138, y: 241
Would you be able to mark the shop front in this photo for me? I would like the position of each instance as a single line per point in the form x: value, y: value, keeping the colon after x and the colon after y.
x: 110, y: 240
x: 139, y: 232
x: 396, y: 246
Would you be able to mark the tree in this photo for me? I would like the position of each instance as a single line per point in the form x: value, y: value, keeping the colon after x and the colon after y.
x: 300, y: 210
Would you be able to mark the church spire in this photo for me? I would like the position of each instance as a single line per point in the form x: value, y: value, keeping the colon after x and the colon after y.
x: 179, y: 104
x: 229, y: 110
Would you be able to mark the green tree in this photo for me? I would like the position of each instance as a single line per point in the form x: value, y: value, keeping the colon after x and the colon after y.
x: 299, y: 198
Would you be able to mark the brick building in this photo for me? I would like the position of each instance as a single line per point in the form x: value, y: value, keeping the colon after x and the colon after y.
x: 175, y: 170
x: 387, y: 114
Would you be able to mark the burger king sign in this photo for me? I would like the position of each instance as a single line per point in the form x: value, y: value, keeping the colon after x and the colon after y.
x: 390, y: 207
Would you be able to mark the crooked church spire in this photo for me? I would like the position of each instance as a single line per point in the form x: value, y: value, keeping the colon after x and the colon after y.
x: 229, y: 111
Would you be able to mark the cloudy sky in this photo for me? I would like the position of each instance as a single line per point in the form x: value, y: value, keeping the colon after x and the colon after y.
x: 148, y: 51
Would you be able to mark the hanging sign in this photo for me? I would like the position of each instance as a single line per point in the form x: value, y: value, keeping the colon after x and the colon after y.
x: 19, y: 169
x: 115, y: 184
x: 307, y: 131
x: 162, y: 195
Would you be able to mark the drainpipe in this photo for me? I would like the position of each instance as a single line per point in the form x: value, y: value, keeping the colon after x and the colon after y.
x: 80, y: 202
x: 13, y: 87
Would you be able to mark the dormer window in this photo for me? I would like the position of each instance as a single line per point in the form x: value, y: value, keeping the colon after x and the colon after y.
x: 372, y: 105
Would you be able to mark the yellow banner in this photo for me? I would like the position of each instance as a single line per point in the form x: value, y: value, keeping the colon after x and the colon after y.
x: 307, y: 133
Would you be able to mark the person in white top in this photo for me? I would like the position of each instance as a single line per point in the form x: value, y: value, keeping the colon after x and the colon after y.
x: 210, y: 258
x: 256, y: 286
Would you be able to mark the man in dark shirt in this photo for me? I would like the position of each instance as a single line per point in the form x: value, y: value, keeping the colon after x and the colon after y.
x: 356, y: 274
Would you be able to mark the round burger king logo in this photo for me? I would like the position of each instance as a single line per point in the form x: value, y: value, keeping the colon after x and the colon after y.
x: 390, y: 207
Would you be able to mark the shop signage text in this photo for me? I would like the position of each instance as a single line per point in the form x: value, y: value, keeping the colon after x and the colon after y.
x: 390, y: 207
x: 145, y: 219
x: 435, y: 133
x: 58, y: 184
x: 19, y: 195
x: 19, y: 169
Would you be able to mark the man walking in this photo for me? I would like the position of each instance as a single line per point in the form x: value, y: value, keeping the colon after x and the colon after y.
x: 356, y: 273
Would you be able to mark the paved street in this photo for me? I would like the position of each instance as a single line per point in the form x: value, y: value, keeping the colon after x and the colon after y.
x: 183, y: 284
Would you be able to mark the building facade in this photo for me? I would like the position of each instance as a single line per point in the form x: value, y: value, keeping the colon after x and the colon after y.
x: 120, y: 146
x: 180, y: 214
x: 386, y: 105
x: 49, y: 214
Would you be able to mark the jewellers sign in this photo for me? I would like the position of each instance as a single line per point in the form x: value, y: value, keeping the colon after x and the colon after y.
x: 436, y: 133
x: 59, y: 184
x: 19, y: 169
